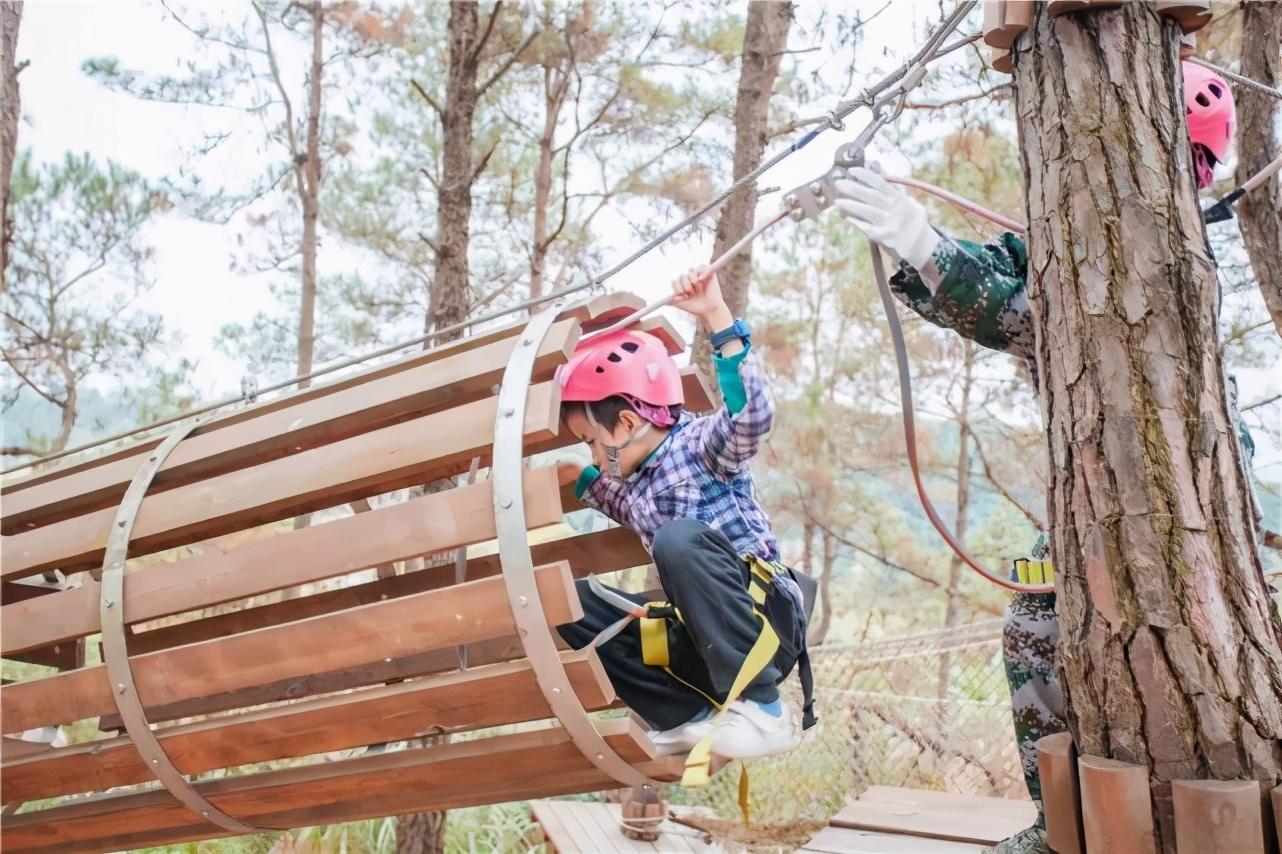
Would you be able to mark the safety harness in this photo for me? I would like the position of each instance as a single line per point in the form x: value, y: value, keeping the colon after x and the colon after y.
x: 782, y: 599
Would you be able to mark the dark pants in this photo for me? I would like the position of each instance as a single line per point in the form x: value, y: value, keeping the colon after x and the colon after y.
x: 708, y: 583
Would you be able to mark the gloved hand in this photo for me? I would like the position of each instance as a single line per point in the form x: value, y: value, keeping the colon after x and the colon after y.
x: 887, y: 215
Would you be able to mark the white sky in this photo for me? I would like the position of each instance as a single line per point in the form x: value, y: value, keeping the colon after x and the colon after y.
x: 195, y: 290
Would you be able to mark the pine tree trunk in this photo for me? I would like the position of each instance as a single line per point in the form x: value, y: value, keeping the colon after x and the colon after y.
x: 556, y: 83
x: 10, y: 108
x: 310, y: 192
x: 952, y: 610
x: 1169, y: 639
x: 449, y: 291
x: 819, y: 632
x: 424, y: 833
x: 1260, y: 211
x: 765, y: 37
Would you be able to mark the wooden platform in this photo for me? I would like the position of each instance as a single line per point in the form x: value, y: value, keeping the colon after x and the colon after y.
x: 576, y: 827
x: 889, y: 820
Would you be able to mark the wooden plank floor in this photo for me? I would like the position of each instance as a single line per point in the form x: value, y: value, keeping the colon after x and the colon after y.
x: 577, y: 827
x: 893, y: 820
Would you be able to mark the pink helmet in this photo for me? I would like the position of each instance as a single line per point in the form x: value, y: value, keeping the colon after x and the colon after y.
x: 1208, y: 103
x: 628, y: 363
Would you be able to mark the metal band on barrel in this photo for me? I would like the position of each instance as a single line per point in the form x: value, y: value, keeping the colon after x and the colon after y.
x: 115, y: 652
x: 507, y: 475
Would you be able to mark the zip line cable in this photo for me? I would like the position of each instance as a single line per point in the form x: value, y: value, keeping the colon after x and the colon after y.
x: 1237, y: 78
x: 875, y: 98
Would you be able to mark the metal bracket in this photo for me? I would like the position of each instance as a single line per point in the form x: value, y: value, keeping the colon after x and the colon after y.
x: 506, y: 473
x: 814, y: 197
x: 115, y: 652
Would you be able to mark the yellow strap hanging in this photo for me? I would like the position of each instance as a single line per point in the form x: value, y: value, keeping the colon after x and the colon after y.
x: 654, y: 641
x: 744, y: 791
x: 698, y: 768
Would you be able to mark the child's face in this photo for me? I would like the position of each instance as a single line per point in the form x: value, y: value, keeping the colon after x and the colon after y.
x: 631, y: 457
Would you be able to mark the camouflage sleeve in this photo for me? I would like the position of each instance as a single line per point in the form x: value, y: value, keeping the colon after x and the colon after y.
x: 977, y: 291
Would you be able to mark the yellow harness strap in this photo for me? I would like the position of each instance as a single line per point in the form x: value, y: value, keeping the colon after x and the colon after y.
x: 1034, y: 571
x: 654, y: 641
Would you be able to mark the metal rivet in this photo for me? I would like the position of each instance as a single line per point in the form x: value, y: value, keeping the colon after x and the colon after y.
x: 121, y: 523
x: 382, y: 596
x: 387, y: 660
x: 600, y: 756
x: 120, y: 686
x: 506, y: 503
x: 110, y: 604
x: 525, y: 603
x: 155, y: 762
x: 556, y: 690
x: 526, y: 342
x: 205, y: 813
x: 509, y: 412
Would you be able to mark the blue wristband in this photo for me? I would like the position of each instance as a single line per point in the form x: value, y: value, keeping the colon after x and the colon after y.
x: 738, y: 329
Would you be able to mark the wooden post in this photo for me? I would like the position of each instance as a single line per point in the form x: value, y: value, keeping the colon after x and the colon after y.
x: 1057, y: 764
x: 1117, y: 814
x: 1218, y: 817
x: 643, y: 812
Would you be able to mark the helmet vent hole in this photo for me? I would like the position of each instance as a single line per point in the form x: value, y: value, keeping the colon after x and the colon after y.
x: 600, y: 370
x: 615, y: 357
x: 1203, y: 100
x: 1215, y: 90
x: 630, y: 346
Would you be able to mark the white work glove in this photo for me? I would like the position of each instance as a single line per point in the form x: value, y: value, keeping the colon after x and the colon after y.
x: 887, y: 215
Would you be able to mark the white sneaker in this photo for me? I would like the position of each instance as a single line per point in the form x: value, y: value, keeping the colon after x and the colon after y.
x: 681, y: 739
x: 747, y: 731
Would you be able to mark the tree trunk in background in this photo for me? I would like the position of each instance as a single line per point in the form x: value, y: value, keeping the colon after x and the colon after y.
x: 447, y: 302
x: 952, y: 611
x: 1169, y: 639
x: 10, y: 108
x: 556, y: 85
x: 765, y: 37
x: 819, y: 632
x: 309, y: 193
x: 1260, y: 211
x: 424, y: 833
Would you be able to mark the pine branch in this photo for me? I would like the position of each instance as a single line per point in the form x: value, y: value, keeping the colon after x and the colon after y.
x: 508, y: 63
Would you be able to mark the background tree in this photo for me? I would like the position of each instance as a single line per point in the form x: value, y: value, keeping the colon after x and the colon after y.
x: 241, y: 67
x: 1260, y: 211
x: 76, y: 267
x: 1163, y: 597
x: 765, y: 40
x: 10, y: 110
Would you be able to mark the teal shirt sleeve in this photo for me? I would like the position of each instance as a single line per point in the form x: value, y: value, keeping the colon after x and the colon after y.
x: 586, y: 477
x: 730, y: 382
x: 980, y: 292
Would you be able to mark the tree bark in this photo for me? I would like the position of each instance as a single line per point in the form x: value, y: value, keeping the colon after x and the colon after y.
x: 10, y: 109
x: 819, y: 632
x: 309, y: 192
x: 449, y: 290
x: 765, y: 37
x: 1260, y: 211
x: 1169, y: 638
x: 952, y: 610
x: 556, y: 83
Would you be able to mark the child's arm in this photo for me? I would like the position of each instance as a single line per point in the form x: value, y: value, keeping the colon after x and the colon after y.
x: 735, y: 431
x: 596, y: 490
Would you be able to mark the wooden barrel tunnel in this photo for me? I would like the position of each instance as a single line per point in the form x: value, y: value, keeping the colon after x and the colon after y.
x: 322, y: 675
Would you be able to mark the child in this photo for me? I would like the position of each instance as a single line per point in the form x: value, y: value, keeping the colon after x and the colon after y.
x: 981, y: 293
x: 683, y: 484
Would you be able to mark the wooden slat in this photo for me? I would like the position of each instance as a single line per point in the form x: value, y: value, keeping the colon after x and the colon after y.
x: 1117, y: 813
x: 940, y: 815
x: 280, y: 432
x: 411, y: 452
x: 425, y: 621
x: 603, y: 551
x: 492, y: 651
x: 65, y: 655
x: 468, y: 771
x: 435, y: 522
x: 1218, y: 816
x: 837, y: 840
x: 474, y: 699
x: 1061, y: 799
x: 590, y: 313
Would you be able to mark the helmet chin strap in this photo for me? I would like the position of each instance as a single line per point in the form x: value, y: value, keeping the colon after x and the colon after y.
x: 612, y: 451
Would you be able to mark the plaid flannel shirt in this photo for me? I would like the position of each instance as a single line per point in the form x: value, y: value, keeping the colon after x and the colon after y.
x: 701, y: 470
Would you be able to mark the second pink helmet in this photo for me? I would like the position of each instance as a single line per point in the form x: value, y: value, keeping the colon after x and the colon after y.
x: 1208, y: 103
x: 628, y: 363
